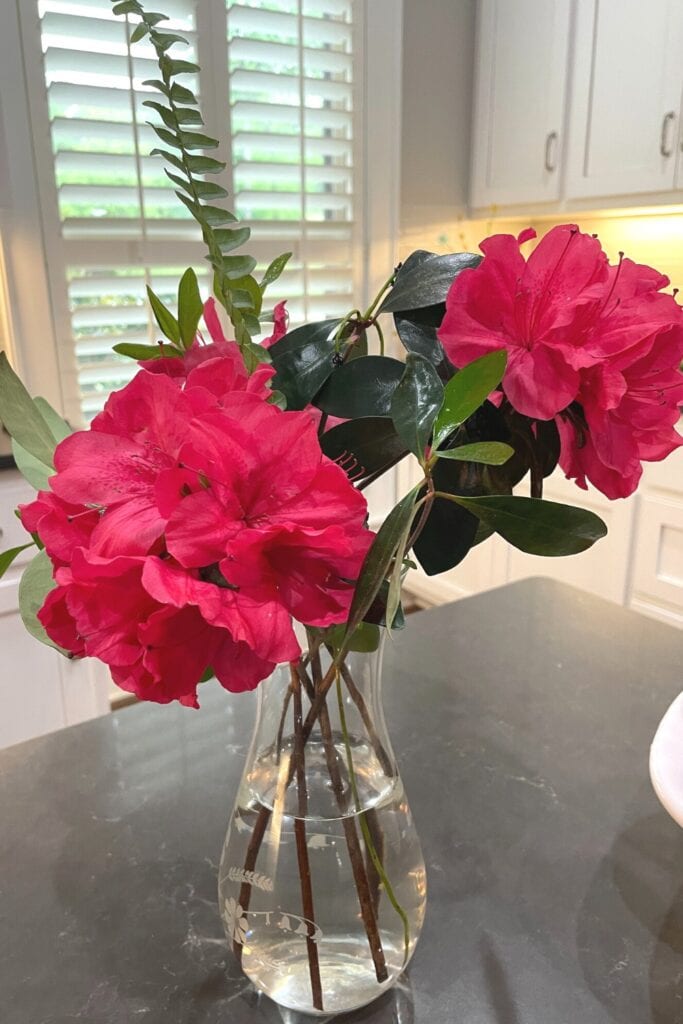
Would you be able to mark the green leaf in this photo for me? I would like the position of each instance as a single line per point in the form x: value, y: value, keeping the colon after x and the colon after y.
x: 204, y: 164
x: 165, y: 113
x: 210, y: 189
x: 377, y: 612
x: 36, y: 472
x: 180, y: 94
x: 275, y: 269
x: 396, y: 579
x: 216, y: 215
x: 190, y: 307
x: 415, y: 403
x: 420, y: 337
x: 168, y: 325
x: 467, y: 390
x: 238, y: 266
x: 155, y: 83
x: 196, y: 140
x: 165, y: 40
x: 152, y: 18
x: 21, y: 417
x: 36, y: 583
x: 371, y: 440
x: 424, y: 280
x: 251, y: 290
x: 535, y: 526
x: 170, y: 158
x: 58, y: 426
x: 139, y: 32
x: 231, y: 238
x: 169, y: 137
x: 127, y: 7
x: 178, y: 67
x: 7, y: 557
x: 186, y: 115
x: 143, y: 352
x: 361, y: 387
x: 303, y: 361
x: 378, y: 559
x: 487, y: 453
x: 365, y: 638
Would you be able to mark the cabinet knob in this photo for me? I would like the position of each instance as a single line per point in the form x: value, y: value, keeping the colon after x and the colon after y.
x: 666, y: 143
x: 551, y: 151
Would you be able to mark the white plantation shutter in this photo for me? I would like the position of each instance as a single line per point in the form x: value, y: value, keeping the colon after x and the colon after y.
x: 277, y: 86
x: 293, y: 129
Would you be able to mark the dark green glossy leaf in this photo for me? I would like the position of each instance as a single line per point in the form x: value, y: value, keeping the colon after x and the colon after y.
x: 467, y: 390
x: 547, y: 445
x: 7, y: 557
x: 415, y: 403
x: 488, y: 453
x: 143, y: 352
x: 303, y: 361
x: 378, y: 559
x: 190, y: 307
x: 450, y: 530
x: 275, y: 269
x: 21, y: 416
x: 425, y: 279
x: 377, y: 612
x: 168, y: 325
x: 538, y: 527
x: 36, y: 583
x: 361, y: 387
x: 372, y: 441
x: 420, y: 338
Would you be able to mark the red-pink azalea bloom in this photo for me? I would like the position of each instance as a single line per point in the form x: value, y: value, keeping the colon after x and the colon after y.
x: 560, y: 311
x: 209, y: 519
x: 100, y: 608
x: 626, y: 414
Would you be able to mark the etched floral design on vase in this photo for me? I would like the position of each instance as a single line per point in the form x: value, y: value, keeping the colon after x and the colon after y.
x: 322, y: 882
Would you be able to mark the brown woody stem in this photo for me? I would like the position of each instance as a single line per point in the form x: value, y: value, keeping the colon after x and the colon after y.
x: 301, y: 843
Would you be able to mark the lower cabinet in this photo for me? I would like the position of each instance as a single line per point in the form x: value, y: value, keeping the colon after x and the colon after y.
x: 40, y: 691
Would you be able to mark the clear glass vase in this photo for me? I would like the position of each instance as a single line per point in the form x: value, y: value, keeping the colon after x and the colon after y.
x: 322, y: 884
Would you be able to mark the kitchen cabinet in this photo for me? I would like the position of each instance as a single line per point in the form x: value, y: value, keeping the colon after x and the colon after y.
x: 626, y: 98
x: 39, y: 689
x: 521, y: 76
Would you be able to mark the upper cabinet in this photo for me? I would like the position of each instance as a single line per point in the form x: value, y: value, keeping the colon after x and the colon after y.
x: 626, y: 98
x: 521, y: 68
x: 611, y: 71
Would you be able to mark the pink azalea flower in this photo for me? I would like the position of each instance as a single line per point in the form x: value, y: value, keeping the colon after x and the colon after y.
x: 101, y: 609
x: 61, y: 526
x: 626, y: 414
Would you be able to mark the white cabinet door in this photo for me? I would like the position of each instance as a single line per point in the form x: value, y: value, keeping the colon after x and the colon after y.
x: 40, y: 691
x: 522, y: 65
x: 626, y: 97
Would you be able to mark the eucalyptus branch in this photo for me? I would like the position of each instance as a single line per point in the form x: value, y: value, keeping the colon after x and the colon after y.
x: 234, y: 286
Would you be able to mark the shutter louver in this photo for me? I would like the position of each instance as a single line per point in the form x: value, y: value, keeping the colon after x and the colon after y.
x: 291, y: 132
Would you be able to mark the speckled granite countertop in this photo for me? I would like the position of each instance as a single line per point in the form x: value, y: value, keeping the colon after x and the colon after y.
x: 522, y: 720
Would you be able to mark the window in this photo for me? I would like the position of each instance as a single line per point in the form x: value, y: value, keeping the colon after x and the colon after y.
x: 280, y: 86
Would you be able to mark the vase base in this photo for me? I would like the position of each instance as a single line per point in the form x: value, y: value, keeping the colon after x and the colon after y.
x: 347, y: 979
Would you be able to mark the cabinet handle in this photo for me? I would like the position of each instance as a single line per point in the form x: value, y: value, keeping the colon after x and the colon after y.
x: 551, y: 151
x: 665, y: 144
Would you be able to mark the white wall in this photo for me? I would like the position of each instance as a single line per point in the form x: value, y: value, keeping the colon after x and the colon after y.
x: 438, y: 56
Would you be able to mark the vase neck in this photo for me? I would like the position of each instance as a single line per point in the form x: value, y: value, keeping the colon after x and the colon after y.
x: 326, y: 721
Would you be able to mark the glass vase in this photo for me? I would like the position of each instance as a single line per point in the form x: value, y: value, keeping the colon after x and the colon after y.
x: 322, y: 884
